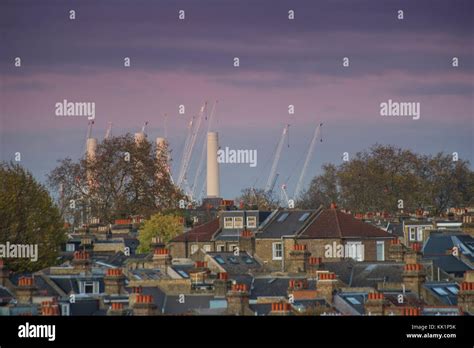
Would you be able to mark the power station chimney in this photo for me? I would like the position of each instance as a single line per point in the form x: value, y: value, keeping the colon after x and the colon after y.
x: 160, y: 146
x: 139, y: 138
x: 91, y: 147
x: 212, y: 165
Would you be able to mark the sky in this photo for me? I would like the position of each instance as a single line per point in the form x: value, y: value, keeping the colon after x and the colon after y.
x: 282, y: 62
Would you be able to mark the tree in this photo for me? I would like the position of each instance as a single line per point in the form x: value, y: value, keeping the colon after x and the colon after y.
x: 323, y: 190
x: 387, y: 178
x: 253, y: 198
x: 123, y: 179
x: 158, y: 225
x: 28, y: 216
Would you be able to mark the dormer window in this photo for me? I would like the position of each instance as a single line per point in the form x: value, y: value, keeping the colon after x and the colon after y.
x: 251, y: 221
x: 228, y: 222
x: 238, y: 222
x: 89, y: 287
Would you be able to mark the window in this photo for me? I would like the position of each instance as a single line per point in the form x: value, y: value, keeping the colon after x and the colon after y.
x: 207, y: 248
x: 70, y: 247
x: 89, y: 287
x: 65, y: 309
x: 303, y: 217
x: 282, y: 217
x: 251, y: 221
x: 440, y: 291
x: 221, y: 248
x: 232, y: 247
x: 238, y: 222
x: 219, y: 260
x: 380, y: 251
x: 228, y: 222
x: 420, y: 234
x: 183, y: 273
x: 353, y: 300
x: 452, y: 289
x: 355, y: 250
x: 194, y: 248
x: 277, y: 253
x: 412, y: 233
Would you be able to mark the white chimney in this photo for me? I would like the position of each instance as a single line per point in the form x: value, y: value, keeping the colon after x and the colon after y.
x: 212, y: 165
x: 160, y: 146
x: 139, y: 138
x: 91, y: 147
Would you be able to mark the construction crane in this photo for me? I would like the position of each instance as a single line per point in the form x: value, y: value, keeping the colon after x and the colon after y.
x: 284, y: 195
x: 312, y: 145
x: 108, y: 132
x: 144, y: 127
x: 189, y: 150
x: 203, y: 150
x: 272, y: 177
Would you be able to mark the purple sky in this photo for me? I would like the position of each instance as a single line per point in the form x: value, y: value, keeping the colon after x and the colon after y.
x: 282, y: 62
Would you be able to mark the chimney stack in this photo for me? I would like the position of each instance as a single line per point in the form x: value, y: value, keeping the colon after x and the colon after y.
x: 81, y: 260
x: 114, y: 281
x: 139, y: 138
x: 213, y: 190
x: 396, y: 250
x: 375, y: 304
x: 162, y: 259
x: 298, y: 259
x: 144, y: 305
x: 49, y: 308
x: 132, y: 298
x: 199, y: 273
x: 326, y: 285
x: 314, y: 265
x: 116, y: 309
x: 281, y: 308
x: 466, y: 293
x: 238, y: 300
x: 413, y: 277
x: 25, y: 289
x: 247, y: 242
x: 221, y: 284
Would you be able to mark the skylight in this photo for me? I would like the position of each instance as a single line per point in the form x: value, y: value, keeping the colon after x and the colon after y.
x: 440, y: 291
x: 220, y: 260
x: 453, y: 289
x: 303, y: 217
x: 233, y: 260
x: 247, y: 260
x: 183, y: 273
x: 353, y: 300
x: 282, y: 217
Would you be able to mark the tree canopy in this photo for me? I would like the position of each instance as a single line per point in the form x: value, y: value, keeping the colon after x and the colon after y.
x: 159, y: 225
x: 123, y: 179
x: 28, y: 216
x: 382, y: 177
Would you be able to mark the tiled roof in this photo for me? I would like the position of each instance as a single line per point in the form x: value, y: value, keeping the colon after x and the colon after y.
x: 201, y: 233
x: 332, y: 223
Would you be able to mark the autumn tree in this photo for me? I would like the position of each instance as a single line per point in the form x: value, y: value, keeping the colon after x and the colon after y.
x: 28, y: 216
x: 159, y: 225
x: 124, y: 178
x: 323, y: 190
x: 252, y: 198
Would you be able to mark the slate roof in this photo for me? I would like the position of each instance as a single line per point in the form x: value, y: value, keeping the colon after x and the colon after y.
x: 280, y: 225
x: 446, y: 292
x: 232, y: 264
x: 201, y: 233
x: 332, y: 223
x: 365, y: 274
x: 273, y: 287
